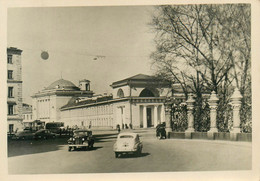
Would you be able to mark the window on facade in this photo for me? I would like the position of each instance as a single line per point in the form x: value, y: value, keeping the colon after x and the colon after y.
x: 10, y: 109
x: 120, y: 93
x: 10, y: 91
x: 10, y: 74
x: 11, y: 128
x: 10, y: 59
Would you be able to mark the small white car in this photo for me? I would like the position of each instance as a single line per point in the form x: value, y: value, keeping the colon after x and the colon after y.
x: 128, y: 143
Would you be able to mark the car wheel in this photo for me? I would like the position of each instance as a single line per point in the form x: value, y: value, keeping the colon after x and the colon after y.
x: 116, y: 154
x: 69, y: 148
x: 23, y: 138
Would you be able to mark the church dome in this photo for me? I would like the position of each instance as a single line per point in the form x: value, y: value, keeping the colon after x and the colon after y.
x: 62, y: 84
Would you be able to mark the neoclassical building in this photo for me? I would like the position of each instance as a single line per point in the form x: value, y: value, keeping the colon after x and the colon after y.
x: 137, y: 100
x: 46, y: 104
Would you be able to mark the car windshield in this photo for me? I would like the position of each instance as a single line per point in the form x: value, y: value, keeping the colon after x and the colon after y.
x: 40, y: 131
x: 126, y: 136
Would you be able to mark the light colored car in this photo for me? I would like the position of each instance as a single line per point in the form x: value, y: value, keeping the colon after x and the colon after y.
x: 128, y: 143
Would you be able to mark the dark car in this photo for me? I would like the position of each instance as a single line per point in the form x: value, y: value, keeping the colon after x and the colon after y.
x: 44, y: 134
x: 23, y: 135
x: 81, y: 139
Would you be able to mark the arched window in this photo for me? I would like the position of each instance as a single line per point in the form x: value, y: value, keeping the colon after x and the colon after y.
x: 120, y: 93
x: 146, y: 93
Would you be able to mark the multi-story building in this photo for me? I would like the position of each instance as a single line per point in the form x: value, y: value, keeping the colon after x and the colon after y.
x: 14, y: 89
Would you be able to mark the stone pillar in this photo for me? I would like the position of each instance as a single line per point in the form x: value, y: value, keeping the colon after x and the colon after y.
x: 213, y: 104
x: 144, y: 117
x: 155, y: 115
x: 168, y: 117
x: 162, y: 117
x: 236, y: 104
x: 190, y: 107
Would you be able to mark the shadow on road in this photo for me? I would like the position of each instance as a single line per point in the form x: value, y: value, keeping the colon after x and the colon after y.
x: 91, y: 149
x: 133, y: 155
x: 26, y: 147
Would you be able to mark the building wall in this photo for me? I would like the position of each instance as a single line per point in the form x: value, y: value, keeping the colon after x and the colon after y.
x: 96, y: 116
x: 125, y: 89
x: 16, y: 82
x: 47, y: 108
x: 135, y: 91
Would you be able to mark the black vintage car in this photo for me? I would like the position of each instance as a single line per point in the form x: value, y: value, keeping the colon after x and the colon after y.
x: 82, y: 138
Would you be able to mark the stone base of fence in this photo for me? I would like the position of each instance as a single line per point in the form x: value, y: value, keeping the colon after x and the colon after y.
x: 211, y: 136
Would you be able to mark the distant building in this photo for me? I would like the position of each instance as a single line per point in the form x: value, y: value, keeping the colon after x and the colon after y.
x: 27, y: 115
x: 47, y: 103
x: 14, y: 89
x: 136, y: 101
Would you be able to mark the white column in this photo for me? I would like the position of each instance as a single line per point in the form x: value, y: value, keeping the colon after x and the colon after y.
x: 162, y: 114
x: 144, y: 117
x: 155, y: 115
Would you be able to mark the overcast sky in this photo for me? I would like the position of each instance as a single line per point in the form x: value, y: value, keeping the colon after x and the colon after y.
x: 73, y: 36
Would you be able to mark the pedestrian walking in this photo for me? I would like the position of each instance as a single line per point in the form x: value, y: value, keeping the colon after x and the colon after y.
x: 118, y: 128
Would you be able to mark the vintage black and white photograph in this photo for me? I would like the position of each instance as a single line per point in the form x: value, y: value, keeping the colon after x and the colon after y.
x: 129, y: 89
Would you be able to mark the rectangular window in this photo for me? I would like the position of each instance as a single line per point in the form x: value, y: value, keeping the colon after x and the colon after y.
x: 10, y: 109
x: 10, y: 59
x: 10, y: 92
x: 11, y: 128
x: 10, y: 74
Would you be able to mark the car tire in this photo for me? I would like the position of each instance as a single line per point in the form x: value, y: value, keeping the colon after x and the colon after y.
x: 69, y: 148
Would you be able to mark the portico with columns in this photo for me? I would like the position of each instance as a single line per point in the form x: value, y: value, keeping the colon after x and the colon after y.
x: 140, y: 101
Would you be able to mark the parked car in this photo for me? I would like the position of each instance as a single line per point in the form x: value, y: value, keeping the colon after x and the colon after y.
x: 55, y: 127
x: 82, y: 138
x: 26, y: 134
x: 44, y: 134
x: 128, y: 143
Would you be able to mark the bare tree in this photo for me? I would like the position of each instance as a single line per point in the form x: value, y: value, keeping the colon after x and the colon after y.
x: 204, y: 47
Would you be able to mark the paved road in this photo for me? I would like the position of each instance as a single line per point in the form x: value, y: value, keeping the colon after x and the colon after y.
x: 51, y: 156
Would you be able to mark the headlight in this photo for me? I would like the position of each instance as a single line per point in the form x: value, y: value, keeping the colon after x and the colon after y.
x: 73, y: 139
x: 83, y: 139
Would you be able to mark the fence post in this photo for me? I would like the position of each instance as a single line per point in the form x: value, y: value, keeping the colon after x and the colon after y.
x: 213, y: 104
x: 190, y: 107
x: 168, y: 107
x: 236, y: 104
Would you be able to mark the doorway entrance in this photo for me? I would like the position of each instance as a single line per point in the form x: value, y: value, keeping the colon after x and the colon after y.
x: 149, y: 117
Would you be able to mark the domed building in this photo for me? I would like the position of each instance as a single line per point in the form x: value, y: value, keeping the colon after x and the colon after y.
x: 47, y: 103
x: 137, y: 101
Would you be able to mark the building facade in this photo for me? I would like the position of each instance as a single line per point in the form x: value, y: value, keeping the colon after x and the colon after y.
x: 136, y: 102
x: 27, y: 115
x: 46, y: 104
x: 14, y: 89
